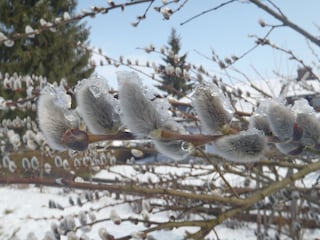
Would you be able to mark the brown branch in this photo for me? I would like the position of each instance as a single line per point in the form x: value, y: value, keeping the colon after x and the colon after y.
x: 286, y: 22
x: 137, y: 189
x: 249, y: 202
x: 195, y: 139
x: 94, y: 12
x: 126, y: 188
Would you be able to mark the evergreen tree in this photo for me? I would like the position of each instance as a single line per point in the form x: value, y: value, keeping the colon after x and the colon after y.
x: 51, y: 54
x: 172, y: 74
x: 54, y: 55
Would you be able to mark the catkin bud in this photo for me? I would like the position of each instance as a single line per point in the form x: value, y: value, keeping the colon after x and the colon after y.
x: 70, y: 222
x: 97, y: 107
x: 26, y: 163
x: 35, y: 163
x: 83, y: 218
x: 12, y: 166
x: 209, y: 105
x: 105, y: 235
x: 47, y: 168
x: 66, y: 165
x: 246, y: 147
x: 114, y: 216
x: 58, y: 161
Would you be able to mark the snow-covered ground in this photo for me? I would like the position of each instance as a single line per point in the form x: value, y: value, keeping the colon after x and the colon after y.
x: 25, y: 212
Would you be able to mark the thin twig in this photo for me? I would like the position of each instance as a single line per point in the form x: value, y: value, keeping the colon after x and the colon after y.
x: 286, y: 22
x: 207, y: 11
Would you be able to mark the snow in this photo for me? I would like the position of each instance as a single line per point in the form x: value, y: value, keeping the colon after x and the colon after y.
x: 24, y: 208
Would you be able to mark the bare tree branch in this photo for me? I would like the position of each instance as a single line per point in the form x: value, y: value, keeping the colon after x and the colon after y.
x: 286, y: 22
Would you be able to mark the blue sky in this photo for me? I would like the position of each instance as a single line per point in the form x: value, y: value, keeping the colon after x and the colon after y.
x: 225, y: 31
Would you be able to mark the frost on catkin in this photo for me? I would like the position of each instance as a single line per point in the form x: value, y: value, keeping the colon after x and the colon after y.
x: 97, y: 106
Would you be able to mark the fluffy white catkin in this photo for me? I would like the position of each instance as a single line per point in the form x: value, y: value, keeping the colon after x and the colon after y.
x: 54, y: 117
x: 281, y: 120
x: 97, y: 107
x: 142, y: 116
x: 209, y: 105
x: 311, y: 129
x: 137, y: 112
x: 292, y: 148
x: 242, y: 148
x: 261, y: 123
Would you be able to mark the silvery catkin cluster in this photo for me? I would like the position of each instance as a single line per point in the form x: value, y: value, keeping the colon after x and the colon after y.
x: 294, y: 130
x: 210, y: 106
x: 144, y: 115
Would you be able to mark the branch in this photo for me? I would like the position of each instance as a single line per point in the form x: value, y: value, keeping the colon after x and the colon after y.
x: 95, y: 11
x: 260, y: 195
x: 286, y: 22
x: 207, y: 11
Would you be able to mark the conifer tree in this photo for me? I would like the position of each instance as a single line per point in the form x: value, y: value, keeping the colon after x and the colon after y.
x: 172, y: 73
x: 52, y: 54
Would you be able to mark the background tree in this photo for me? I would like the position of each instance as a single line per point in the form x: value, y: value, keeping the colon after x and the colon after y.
x: 172, y: 73
x: 53, y: 54
x: 279, y: 193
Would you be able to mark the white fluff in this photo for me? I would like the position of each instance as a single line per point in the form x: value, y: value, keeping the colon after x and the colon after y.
x: 246, y: 147
x: 289, y: 148
x: 210, y: 106
x: 138, y: 112
x: 311, y: 129
x: 281, y: 121
x: 142, y: 116
x: 97, y: 107
x: 261, y: 123
x: 54, y: 117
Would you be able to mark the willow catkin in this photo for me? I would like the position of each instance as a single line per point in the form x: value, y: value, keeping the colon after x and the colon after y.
x: 245, y: 147
x: 310, y: 129
x: 54, y: 117
x: 291, y: 148
x: 97, y: 106
x: 138, y: 112
x: 261, y: 123
x: 210, y: 106
x: 281, y: 120
x: 142, y: 116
